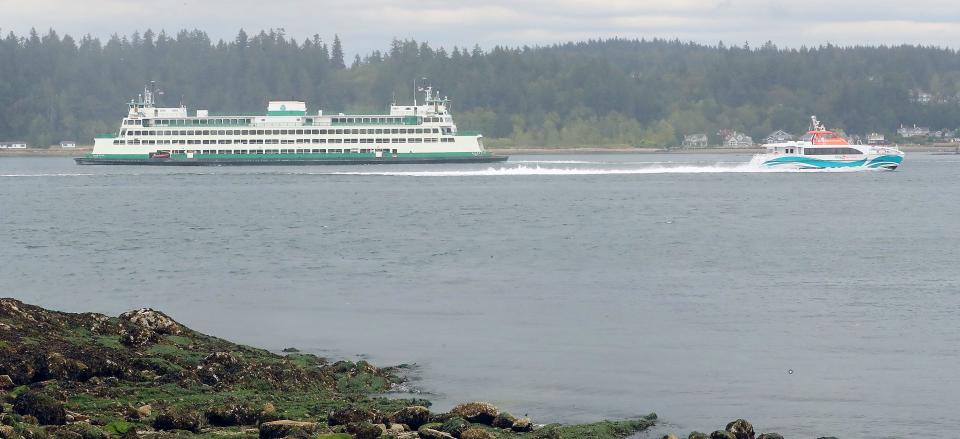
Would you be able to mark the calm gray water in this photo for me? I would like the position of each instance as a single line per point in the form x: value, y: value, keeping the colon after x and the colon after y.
x: 569, y: 288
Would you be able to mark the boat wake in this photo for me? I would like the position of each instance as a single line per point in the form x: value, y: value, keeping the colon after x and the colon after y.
x: 45, y: 175
x: 524, y: 170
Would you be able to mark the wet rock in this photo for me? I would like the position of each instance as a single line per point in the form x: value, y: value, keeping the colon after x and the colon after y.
x: 291, y: 350
x: 722, y: 434
x: 454, y: 426
x: 698, y: 435
x: 268, y: 413
x: 413, y: 416
x: 548, y: 432
x: 153, y: 321
x: 522, y: 425
x: 6, y: 383
x: 429, y: 433
x: 504, y: 420
x: 669, y: 436
x: 81, y: 431
x: 179, y: 419
x: 741, y: 429
x: 233, y: 414
x: 770, y: 436
x: 45, y: 409
x: 219, y: 366
x: 476, y: 433
x: 136, y: 336
x: 349, y: 415
x: 364, y: 430
x: 477, y: 411
x: 394, y: 429
x: 286, y: 428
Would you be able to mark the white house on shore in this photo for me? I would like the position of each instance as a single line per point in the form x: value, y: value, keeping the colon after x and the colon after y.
x: 68, y: 144
x: 13, y: 145
x: 698, y: 140
x: 738, y: 140
x: 913, y: 131
x: 779, y: 136
x: 876, y: 139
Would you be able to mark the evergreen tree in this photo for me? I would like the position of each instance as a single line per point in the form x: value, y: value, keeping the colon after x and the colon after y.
x: 336, y: 54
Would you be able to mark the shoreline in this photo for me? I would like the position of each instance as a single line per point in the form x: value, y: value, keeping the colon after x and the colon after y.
x: 143, y: 374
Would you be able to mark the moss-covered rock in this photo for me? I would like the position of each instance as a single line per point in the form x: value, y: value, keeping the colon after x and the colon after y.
x: 770, y: 436
x: 522, y: 425
x: 741, y: 429
x: 232, y: 414
x: 179, y: 418
x: 454, y: 426
x: 45, y: 409
x: 722, y: 434
x: 476, y: 433
x: 7, y: 432
x: 364, y: 430
x: 477, y: 411
x: 287, y: 428
x: 413, y: 416
x: 429, y: 433
x: 352, y: 414
x: 6, y: 383
x: 504, y: 420
x: 698, y: 435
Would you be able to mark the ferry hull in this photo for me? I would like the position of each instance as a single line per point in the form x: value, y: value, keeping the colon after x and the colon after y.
x: 888, y: 162
x: 287, y: 161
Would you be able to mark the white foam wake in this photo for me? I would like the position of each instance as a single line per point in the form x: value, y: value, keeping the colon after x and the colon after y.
x: 540, y: 170
x: 45, y: 175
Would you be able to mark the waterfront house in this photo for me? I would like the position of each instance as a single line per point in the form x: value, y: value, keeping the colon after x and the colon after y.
x: 913, y: 131
x: 13, y: 145
x: 698, y: 140
x: 68, y: 144
x: 738, y: 140
x: 779, y: 136
x: 876, y: 139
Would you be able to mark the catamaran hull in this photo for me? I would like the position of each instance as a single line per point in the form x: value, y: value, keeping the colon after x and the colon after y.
x: 286, y: 161
x: 887, y: 162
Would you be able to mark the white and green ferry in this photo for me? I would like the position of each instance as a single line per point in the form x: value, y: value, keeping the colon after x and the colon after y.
x: 288, y: 135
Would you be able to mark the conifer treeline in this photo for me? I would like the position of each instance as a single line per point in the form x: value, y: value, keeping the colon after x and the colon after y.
x: 610, y: 92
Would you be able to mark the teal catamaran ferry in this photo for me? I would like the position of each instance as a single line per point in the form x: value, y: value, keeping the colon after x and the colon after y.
x: 288, y: 135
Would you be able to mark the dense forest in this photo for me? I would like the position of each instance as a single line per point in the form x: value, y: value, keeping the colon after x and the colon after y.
x: 609, y: 92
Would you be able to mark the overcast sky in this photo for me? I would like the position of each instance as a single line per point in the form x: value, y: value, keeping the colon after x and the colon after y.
x: 365, y: 25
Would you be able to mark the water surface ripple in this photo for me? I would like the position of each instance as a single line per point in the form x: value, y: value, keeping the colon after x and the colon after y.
x: 571, y: 288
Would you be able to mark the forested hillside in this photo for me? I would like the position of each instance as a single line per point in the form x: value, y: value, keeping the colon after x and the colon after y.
x: 612, y: 92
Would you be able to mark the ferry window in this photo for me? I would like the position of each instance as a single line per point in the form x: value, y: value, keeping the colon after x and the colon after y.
x: 356, y: 131
x: 419, y: 130
x: 350, y: 120
x: 394, y: 131
x: 314, y: 131
x: 403, y: 131
x: 339, y: 132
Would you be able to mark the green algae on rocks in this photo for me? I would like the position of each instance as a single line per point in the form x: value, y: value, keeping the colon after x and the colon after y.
x: 143, y: 374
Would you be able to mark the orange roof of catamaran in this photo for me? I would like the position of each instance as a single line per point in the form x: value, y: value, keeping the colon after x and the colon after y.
x: 821, y: 136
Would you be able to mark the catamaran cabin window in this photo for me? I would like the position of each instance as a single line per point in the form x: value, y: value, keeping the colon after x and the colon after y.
x: 831, y: 151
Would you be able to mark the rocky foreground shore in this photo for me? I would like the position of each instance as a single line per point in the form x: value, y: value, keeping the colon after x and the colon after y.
x: 142, y: 374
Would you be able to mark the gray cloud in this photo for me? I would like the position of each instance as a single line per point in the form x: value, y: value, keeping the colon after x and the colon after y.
x: 370, y: 24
